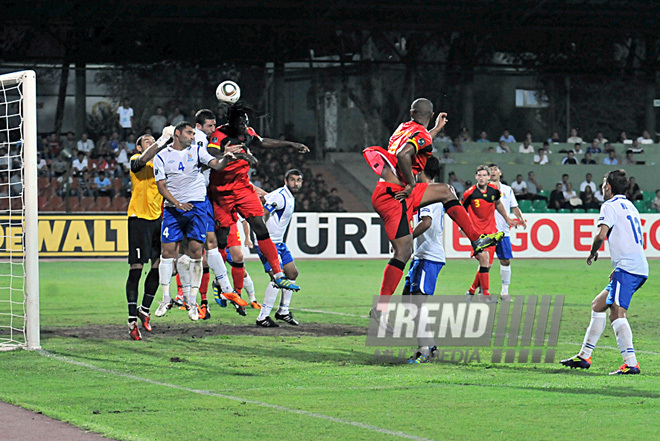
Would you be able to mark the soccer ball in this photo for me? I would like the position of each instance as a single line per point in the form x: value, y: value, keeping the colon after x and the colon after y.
x: 228, y: 92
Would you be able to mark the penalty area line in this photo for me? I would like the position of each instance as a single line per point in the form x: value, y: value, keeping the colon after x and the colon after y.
x: 320, y: 416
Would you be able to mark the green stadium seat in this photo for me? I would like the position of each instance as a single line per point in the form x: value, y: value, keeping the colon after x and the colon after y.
x: 539, y: 203
x: 640, y: 205
x: 563, y: 210
x: 593, y: 210
x: 648, y: 195
x: 543, y: 193
x: 525, y: 205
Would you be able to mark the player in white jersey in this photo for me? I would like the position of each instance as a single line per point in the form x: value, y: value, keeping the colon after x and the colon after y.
x: 280, y: 205
x: 177, y: 170
x: 428, y: 256
x: 618, y: 222
x: 503, y: 248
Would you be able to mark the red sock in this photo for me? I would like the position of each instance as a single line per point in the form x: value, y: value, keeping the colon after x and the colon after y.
x: 392, y: 277
x: 179, y: 287
x: 268, y: 249
x: 204, y: 286
x: 458, y: 214
x: 476, y: 283
x: 223, y: 253
x: 237, y: 276
x: 485, y: 283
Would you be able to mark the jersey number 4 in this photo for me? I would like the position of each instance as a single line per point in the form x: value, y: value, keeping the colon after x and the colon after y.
x: 181, y: 167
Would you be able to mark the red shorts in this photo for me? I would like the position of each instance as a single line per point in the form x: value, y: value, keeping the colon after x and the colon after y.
x: 397, y: 215
x: 234, y: 239
x: 242, y: 200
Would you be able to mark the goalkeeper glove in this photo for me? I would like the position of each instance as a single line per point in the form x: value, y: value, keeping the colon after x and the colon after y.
x: 167, y: 134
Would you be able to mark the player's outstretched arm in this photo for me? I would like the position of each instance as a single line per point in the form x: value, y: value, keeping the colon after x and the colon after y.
x: 440, y: 122
x: 500, y: 209
x: 270, y: 143
x: 599, y: 238
x: 150, y: 152
x: 519, y: 215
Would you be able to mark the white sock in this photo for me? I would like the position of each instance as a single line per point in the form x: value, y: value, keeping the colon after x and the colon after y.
x: 594, y: 331
x: 278, y: 275
x: 624, y: 340
x: 285, y: 301
x: 165, y: 277
x: 183, y: 267
x: 195, y: 274
x: 269, y: 301
x: 505, y: 272
x: 216, y: 264
x: 248, y: 284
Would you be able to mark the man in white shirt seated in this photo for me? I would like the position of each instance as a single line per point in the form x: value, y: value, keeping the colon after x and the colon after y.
x: 519, y: 188
x: 588, y: 183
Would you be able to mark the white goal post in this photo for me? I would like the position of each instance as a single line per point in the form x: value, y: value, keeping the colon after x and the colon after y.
x: 19, y: 259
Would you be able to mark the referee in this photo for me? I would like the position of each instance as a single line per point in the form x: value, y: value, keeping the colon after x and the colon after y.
x: 144, y: 221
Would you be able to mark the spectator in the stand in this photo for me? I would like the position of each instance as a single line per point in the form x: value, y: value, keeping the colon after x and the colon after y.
x: 456, y: 146
x: 483, y: 137
x: 442, y: 137
x: 554, y: 139
x: 69, y: 142
x: 176, y: 116
x: 465, y: 135
x: 645, y: 138
x: 340, y: 207
x: 574, y: 137
x: 526, y: 147
x: 546, y: 147
x: 114, y: 142
x: 502, y: 147
x: 519, y: 188
x: 85, y: 144
x: 600, y: 139
x: 102, y: 186
x: 64, y: 184
x: 588, y: 183
x: 43, y: 171
x: 125, y: 119
x: 4, y: 159
x: 533, y: 187
x: 108, y: 165
x: 59, y: 166
x: 570, y: 158
x: 577, y: 149
x: 446, y: 157
x: 589, y: 200
x: 123, y: 157
x: 633, y: 192
x: 595, y: 146
x: 458, y: 184
x: 79, y: 164
x: 587, y: 160
x: 528, y: 137
x: 656, y: 201
x: 54, y: 145
x: 15, y: 184
x: 599, y: 196
x: 507, y: 137
x: 635, y: 147
x: 130, y: 144
x: 305, y: 206
x: 334, y: 199
x: 623, y: 138
x: 564, y: 181
x: 157, y: 122
x: 541, y: 158
x: 557, y: 200
x: 571, y: 197
x: 629, y: 159
x: 611, y: 159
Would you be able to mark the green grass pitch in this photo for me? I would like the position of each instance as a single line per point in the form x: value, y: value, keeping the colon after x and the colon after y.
x: 190, y: 386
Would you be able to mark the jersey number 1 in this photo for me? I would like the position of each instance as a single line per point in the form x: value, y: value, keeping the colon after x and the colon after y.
x: 636, y: 228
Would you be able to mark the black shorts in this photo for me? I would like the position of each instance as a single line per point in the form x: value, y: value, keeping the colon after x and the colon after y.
x: 143, y: 240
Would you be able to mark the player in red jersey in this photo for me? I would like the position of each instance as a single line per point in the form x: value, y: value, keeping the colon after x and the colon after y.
x: 481, y: 200
x: 398, y: 195
x: 231, y: 192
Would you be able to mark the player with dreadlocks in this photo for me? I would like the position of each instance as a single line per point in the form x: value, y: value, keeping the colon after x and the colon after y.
x: 231, y: 191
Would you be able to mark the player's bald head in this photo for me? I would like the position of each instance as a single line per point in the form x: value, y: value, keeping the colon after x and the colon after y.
x: 421, y: 108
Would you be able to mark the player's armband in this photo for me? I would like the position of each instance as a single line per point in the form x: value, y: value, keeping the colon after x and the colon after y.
x: 271, y: 207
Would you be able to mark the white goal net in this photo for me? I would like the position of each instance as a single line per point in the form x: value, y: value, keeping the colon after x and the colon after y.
x: 19, y: 264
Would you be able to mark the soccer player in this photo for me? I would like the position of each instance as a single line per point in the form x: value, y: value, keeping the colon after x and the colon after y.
x: 280, y: 205
x: 397, y: 195
x: 618, y: 222
x: 144, y: 222
x: 503, y: 248
x: 481, y: 200
x: 240, y: 277
x: 231, y: 191
x: 428, y: 252
x: 187, y: 209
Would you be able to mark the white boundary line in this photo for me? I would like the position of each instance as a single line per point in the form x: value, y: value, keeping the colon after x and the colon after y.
x: 239, y: 399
